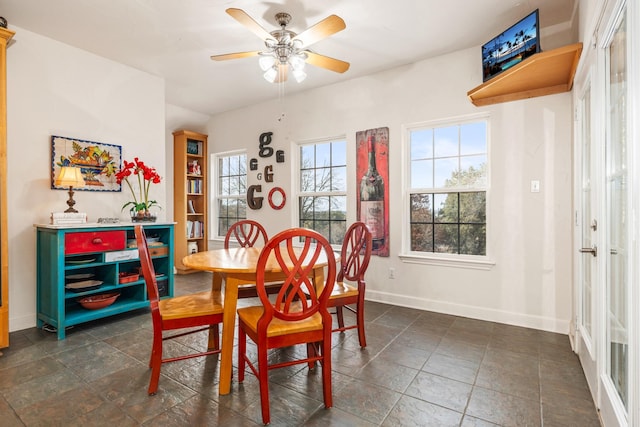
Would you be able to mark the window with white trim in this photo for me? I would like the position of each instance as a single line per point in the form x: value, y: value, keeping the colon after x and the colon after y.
x: 231, y: 189
x: 322, y: 188
x: 447, y: 192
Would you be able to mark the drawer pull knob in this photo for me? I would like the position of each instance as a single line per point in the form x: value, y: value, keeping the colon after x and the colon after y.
x: 97, y: 241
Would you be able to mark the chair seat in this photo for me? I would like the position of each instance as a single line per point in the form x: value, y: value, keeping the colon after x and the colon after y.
x: 277, y: 327
x: 342, y: 289
x: 199, y: 304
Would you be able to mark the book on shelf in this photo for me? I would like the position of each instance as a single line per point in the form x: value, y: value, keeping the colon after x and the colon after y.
x: 195, y: 229
x: 195, y: 186
x: 192, y: 208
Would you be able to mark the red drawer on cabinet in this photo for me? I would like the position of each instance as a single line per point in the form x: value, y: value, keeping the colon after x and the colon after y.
x: 94, y: 241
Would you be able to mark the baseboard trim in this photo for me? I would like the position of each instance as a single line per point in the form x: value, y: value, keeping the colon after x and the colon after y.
x: 481, y: 313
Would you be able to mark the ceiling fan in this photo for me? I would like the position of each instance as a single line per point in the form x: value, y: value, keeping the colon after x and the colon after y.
x: 286, y: 49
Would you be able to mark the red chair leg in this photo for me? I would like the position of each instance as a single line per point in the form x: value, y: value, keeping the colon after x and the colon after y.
x: 360, y: 321
x: 242, y: 350
x: 326, y: 373
x: 263, y: 378
x: 214, y: 337
x: 340, y: 316
x: 156, y: 363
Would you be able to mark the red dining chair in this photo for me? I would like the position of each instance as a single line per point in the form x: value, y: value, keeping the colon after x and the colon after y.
x: 354, y: 260
x: 247, y: 234
x: 203, y: 309
x: 298, y: 314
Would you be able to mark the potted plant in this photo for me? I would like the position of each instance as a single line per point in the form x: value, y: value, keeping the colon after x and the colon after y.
x: 139, y: 206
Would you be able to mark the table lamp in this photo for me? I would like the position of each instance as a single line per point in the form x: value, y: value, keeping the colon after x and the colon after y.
x: 70, y: 176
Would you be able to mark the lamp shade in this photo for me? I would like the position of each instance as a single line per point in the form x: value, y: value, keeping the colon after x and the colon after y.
x: 266, y: 62
x: 70, y: 176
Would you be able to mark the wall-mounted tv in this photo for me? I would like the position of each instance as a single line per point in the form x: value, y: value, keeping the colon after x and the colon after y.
x: 511, y: 46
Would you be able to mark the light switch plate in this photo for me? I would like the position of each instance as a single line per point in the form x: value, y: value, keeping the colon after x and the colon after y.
x: 535, y: 186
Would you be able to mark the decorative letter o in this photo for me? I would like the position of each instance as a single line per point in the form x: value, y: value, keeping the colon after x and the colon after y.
x: 277, y: 198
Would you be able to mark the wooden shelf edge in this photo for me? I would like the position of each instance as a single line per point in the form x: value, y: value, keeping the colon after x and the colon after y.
x: 526, y: 80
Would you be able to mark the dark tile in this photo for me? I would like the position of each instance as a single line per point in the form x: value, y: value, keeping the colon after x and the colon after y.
x: 309, y: 382
x: 20, y: 374
x: 95, y: 360
x: 562, y: 377
x: 106, y: 413
x: 452, y: 367
x: 570, y: 412
x: 373, y: 310
x: 14, y: 357
x: 441, y: 391
x: 558, y: 351
x: 465, y: 335
x: 127, y: 389
x: 349, y: 361
x: 469, y: 421
x: 507, y: 381
x: 291, y: 408
x: 42, y: 388
x: 517, y: 344
x: 423, y: 340
x: 199, y: 411
x: 335, y: 417
x: 520, y: 363
x: 461, y: 349
x: 59, y: 409
x: 503, y: 409
x: 414, y: 412
x: 8, y: 416
x: 386, y: 374
x: 368, y: 401
x: 398, y: 317
x: 410, y: 357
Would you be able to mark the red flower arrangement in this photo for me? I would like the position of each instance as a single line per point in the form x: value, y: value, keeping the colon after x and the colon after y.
x: 146, y: 176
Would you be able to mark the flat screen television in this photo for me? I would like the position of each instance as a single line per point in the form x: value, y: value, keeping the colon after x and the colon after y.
x: 511, y: 46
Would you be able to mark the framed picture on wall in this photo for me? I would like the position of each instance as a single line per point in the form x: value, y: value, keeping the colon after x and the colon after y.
x: 372, y: 174
x: 97, y: 161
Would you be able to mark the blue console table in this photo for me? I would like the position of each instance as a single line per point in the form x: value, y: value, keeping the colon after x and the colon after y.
x: 98, y: 253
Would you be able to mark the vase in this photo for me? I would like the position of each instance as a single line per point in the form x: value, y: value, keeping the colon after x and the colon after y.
x: 143, y: 216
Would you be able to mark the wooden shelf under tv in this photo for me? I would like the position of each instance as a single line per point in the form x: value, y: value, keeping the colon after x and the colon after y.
x: 544, y: 73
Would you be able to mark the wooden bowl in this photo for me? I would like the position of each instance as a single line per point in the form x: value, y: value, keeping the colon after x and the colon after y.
x: 95, y: 302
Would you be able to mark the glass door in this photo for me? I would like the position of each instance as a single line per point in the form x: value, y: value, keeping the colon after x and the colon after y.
x: 617, y: 208
x: 587, y: 268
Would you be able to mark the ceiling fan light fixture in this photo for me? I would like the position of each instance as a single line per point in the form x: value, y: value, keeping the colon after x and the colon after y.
x: 299, y: 75
x: 266, y: 62
x: 297, y: 62
x: 271, y: 74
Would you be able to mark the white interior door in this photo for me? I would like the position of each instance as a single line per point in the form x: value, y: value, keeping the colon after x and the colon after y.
x: 615, y: 378
x: 587, y: 241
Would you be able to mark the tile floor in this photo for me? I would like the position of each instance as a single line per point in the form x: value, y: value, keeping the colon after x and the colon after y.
x: 419, y: 369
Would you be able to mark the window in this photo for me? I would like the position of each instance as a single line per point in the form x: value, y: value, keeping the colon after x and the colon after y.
x: 322, y: 198
x: 448, y: 188
x: 231, y: 189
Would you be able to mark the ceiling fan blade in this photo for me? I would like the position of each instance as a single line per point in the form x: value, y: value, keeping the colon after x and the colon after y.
x: 283, y: 71
x: 236, y: 55
x: 242, y: 17
x: 328, y: 26
x: 326, y: 62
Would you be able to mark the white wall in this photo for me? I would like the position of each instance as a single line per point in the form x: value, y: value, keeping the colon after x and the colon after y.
x: 529, y: 233
x: 54, y: 89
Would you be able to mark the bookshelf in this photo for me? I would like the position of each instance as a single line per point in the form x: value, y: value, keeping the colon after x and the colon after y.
x: 190, y: 195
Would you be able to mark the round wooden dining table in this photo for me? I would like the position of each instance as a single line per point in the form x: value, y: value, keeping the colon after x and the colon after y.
x: 235, y: 267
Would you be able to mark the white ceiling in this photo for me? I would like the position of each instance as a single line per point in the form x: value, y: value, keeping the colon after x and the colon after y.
x: 174, y: 39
